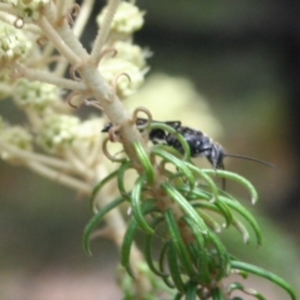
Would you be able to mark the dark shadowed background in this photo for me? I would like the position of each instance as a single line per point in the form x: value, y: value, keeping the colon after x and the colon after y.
x: 244, y: 57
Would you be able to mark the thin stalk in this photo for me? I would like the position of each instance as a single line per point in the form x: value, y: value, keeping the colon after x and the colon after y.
x: 35, y: 157
x: 83, y: 17
x: 59, y: 44
x: 62, y: 8
x: 59, y: 177
x: 79, y: 165
x: 37, y: 75
x: 80, y: 23
x: 104, y: 30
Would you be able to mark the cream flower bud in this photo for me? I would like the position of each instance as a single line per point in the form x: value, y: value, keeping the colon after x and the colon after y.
x: 110, y: 69
x: 87, y: 134
x: 6, y: 82
x: 29, y: 10
x: 16, y: 136
x: 130, y: 53
x: 35, y: 95
x: 14, y: 45
x: 57, y: 132
x: 127, y: 20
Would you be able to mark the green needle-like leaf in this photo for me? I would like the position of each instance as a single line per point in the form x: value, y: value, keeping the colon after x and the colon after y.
x: 174, y: 268
x: 198, y: 252
x: 185, y: 206
x: 126, y: 245
x: 136, y: 205
x: 265, y: 274
x: 178, y: 296
x: 179, y: 164
x: 207, y: 179
x: 246, y: 214
x: 97, y: 188
x: 210, y: 221
x: 95, y: 220
x: 162, y: 257
x: 242, y: 229
x: 148, y: 244
x: 223, y: 256
x: 124, y: 167
x: 178, y: 243
x: 217, y: 294
x: 145, y: 161
x: 230, y: 203
x: 191, y: 291
x: 129, y: 237
x: 225, y: 211
x: 235, y: 177
x: 238, y: 286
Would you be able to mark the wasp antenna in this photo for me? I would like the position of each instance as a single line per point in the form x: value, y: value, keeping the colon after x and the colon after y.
x: 252, y: 159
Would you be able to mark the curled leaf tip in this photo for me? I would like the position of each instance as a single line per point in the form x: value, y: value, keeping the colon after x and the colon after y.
x: 212, y: 200
x: 246, y: 239
x: 86, y: 247
x: 254, y: 200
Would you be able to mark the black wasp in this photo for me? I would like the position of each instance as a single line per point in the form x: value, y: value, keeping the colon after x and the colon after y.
x: 200, y: 144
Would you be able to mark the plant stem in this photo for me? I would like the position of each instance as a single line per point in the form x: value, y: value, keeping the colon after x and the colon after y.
x: 43, y: 76
x: 85, y: 12
x: 34, y: 157
x: 59, y: 44
x: 104, y: 30
x: 59, y: 177
x: 80, y: 23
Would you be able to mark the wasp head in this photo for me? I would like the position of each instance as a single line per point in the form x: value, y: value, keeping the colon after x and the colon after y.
x: 216, y: 156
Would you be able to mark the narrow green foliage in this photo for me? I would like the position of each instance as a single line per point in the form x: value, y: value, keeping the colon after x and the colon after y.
x: 265, y: 274
x: 179, y: 164
x: 242, y: 229
x: 198, y: 252
x: 191, y: 291
x: 136, y: 205
x: 225, y: 211
x: 178, y: 296
x: 128, y: 240
x: 145, y: 161
x: 126, y: 245
x: 178, y: 243
x: 162, y: 257
x: 239, y: 179
x: 223, y: 258
x: 200, y: 174
x: 95, y: 221
x: 98, y: 187
x: 185, y: 205
x: 120, y: 179
x: 217, y: 294
x: 148, y: 245
x: 174, y: 267
x: 231, y: 204
x: 236, y: 206
x: 209, y: 220
x: 238, y: 286
x: 192, y: 211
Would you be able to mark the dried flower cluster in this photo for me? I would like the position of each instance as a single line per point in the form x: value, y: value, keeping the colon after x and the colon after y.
x: 33, y: 75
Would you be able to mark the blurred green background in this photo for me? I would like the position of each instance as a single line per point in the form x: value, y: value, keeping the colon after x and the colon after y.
x: 244, y: 58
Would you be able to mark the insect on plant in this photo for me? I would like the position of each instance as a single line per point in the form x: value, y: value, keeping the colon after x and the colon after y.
x: 199, y: 143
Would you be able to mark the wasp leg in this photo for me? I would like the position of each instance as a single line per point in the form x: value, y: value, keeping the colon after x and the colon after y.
x: 174, y: 124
